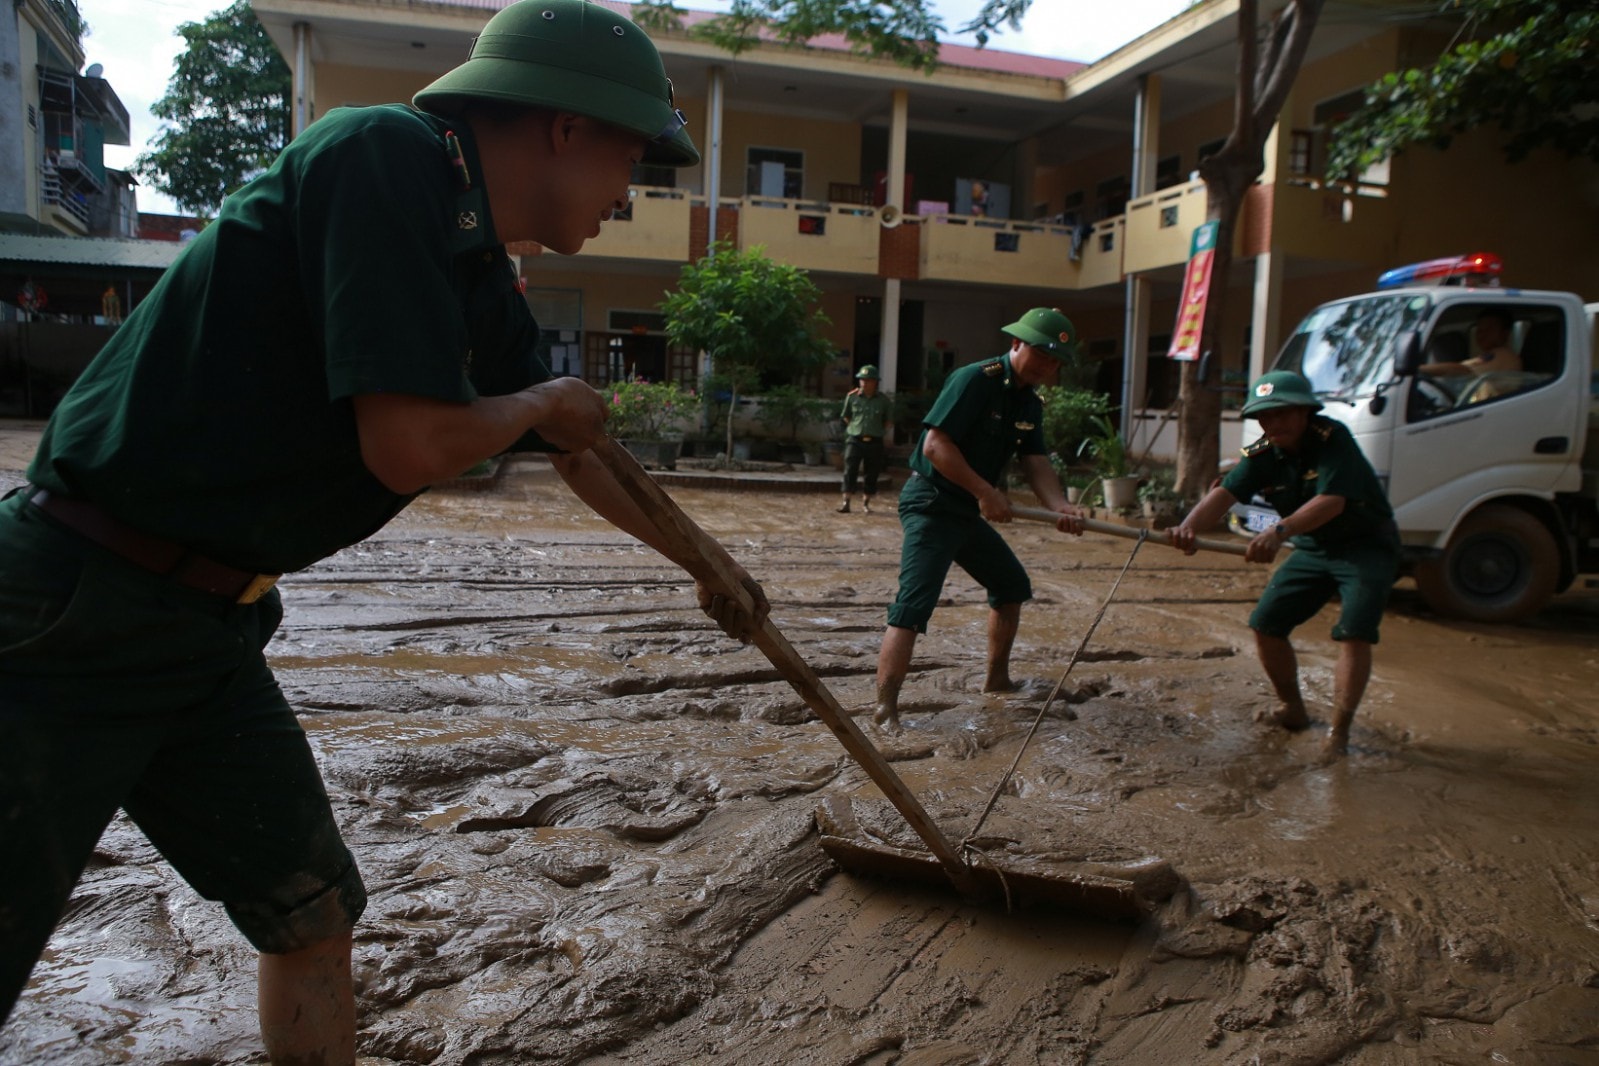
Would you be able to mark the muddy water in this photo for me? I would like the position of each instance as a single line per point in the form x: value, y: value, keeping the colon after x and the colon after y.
x: 584, y: 820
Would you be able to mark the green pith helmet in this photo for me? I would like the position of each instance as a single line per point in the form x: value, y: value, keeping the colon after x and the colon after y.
x: 1047, y: 329
x: 571, y: 55
x: 1280, y: 388
x: 868, y: 371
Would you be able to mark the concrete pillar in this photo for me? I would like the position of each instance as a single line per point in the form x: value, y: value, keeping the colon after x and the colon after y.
x: 1135, y: 325
x: 1265, y: 312
x: 888, y: 346
x: 898, y: 128
x: 304, y: 80
x: 713, y: 147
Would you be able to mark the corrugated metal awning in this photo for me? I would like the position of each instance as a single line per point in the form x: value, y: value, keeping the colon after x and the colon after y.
x: 105, y: 252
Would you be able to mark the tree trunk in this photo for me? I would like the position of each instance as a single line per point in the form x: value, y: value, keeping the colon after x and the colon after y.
x: 1199, y: 403
x: 1263, y: 86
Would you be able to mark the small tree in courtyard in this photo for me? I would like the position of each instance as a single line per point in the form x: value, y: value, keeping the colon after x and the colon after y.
x: 755, y: 316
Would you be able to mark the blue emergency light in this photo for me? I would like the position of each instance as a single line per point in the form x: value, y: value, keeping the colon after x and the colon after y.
x: 1478, y: 269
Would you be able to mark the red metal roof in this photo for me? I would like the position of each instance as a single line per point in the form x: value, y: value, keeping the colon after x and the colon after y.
x: 954, y: 55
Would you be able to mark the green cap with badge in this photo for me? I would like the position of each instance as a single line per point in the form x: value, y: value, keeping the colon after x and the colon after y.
x: 868, y: 371
x: 1280, y: 388
x: 1047, y: 329
x: 571, y: 55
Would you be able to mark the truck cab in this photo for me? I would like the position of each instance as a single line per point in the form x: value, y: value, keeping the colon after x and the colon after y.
x: 1475, y: 405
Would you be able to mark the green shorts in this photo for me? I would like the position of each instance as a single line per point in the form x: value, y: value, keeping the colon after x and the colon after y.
x: 120, y: 689
x: 939, y: 531
x: 1361, y: 575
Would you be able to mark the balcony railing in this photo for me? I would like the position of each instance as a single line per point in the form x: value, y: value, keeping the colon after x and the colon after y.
x: 1161, y: 226
x: 65, y: 200
x: 655, y: 227
x: 1307, y: 218
x: 996, y: 251
x: 812, y: 235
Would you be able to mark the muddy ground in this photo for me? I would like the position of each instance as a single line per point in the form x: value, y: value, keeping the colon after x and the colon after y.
x: 585, y: 819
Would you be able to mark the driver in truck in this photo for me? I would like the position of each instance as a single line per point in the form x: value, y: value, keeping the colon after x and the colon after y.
x: 1337, y: 517
x: 1491, y: 332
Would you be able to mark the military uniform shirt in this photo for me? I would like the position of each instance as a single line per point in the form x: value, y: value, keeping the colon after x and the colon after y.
x: 219, y: 414
x: 865, y: 416
x: 1328, y: 463
x: 988, y: 417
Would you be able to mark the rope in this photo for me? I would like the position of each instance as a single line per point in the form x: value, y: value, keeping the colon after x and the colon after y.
x: 966, y: 842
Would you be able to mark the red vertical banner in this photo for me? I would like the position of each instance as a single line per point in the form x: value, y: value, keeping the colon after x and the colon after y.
x: 1196, y: 290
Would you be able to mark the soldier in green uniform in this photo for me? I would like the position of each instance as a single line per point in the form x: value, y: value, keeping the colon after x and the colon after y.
x: 1335, y: 514
x: 347, y: 332
x: 865, y: 415
x: 985, y: 414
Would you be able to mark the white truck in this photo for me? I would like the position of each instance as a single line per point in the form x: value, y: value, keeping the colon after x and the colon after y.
x: 1494, y: 478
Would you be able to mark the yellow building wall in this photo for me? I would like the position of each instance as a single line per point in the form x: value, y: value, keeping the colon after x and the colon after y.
x: 1183, y: 136
x: 832, y: 149
x: 1541, y: 215
x: 346, y: 86
x: 1334, y: 75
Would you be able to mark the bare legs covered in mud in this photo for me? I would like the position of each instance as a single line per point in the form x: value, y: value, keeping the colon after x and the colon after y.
x: 1349, y: 686
x: 306, y: 1001
x: 894, y: 661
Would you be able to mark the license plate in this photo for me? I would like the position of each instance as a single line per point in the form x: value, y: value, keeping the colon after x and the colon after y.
x: 1250, y: 519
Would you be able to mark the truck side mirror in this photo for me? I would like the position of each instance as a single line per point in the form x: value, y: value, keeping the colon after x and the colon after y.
x: 1408, y: 357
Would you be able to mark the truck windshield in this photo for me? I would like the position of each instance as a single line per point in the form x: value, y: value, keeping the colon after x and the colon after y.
x: 1347, y: 349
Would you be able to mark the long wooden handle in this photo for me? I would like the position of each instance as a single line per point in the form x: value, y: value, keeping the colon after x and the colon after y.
x: 689, y: 541
x: 1038, y: 514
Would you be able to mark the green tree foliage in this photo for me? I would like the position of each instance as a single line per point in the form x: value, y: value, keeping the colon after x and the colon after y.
x: 905, y: 31
x: 755, y: 316
x: 225, y: 114
x: 1527, y: 66
x: 1069, y: 416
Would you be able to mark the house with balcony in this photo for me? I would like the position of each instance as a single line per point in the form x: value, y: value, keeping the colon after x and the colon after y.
x: 70, y: 263
x: 931, y: 209
x: 53, y: 176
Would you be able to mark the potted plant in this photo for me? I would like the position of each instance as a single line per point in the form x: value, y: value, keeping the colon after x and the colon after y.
x: 1109, y: 452
x: 645, y: 416
x: 1160, y: 500
x: 785, y: 410
x: 1077, y: 486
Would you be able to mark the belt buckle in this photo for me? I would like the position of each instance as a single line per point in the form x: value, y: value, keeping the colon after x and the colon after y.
x: 259, y: 586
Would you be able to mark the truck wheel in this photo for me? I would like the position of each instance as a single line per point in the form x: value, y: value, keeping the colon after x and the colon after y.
x: 1500, y: 566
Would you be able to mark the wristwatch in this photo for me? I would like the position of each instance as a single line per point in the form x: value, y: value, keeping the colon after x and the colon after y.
x: 1282, y: 531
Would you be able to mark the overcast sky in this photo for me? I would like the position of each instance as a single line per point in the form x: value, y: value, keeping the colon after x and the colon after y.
x: 136, y: 41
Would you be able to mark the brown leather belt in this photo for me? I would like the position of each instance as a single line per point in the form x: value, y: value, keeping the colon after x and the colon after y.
x: 158, y: 556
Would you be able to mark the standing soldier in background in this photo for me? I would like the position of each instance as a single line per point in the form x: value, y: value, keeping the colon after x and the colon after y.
x: 866, y: 422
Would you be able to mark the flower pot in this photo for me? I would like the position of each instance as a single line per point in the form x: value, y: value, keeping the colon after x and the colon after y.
x: 1121, y: 493
x: 657, y: 453
x: 1074, y: 494
x: 833, y: 452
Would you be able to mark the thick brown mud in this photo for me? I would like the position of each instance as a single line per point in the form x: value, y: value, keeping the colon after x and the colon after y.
x: 585, y: 819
